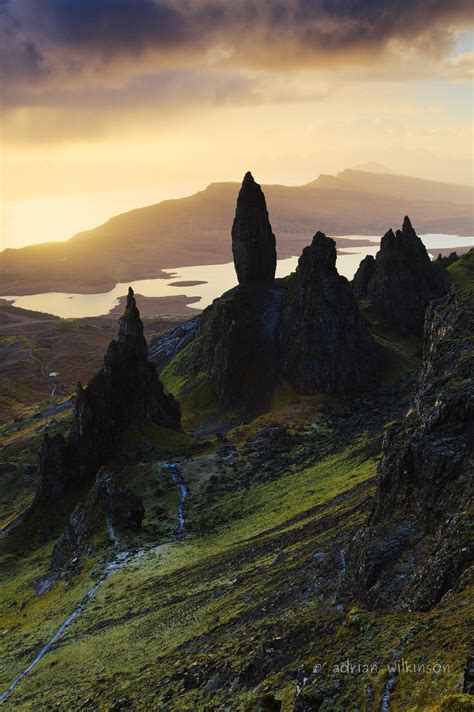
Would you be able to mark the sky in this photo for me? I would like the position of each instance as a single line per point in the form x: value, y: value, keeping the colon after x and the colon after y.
x: 109, y: 105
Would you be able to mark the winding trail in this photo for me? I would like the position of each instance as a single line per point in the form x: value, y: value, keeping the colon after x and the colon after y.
x: 36, y: 359
x: 122, y: 558
x: 41, y: 367
x: 113, y: 566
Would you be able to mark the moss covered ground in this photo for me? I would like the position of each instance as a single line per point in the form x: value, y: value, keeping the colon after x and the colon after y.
x: 233, y: 611
x: 250, y: 599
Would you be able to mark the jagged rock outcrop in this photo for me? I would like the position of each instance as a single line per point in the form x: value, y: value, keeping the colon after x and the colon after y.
x: 306, y: 329
x: 324, y: 341
x: 401, y: 281
x: 417, y: 543
x: 236, y: 345
x: 253, y: 242
x: 126, y: 391
x: 109, y: 506
x: 55, y: 464
x: 363, y: 276
x: 446, y: 260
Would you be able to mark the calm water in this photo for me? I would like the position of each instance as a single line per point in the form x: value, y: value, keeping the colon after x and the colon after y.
x: 217, y: 279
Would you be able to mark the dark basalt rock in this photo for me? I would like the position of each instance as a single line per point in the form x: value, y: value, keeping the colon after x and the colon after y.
x: 236, y: 345
x: 417, y: 543
x: 325, y: 344
x: 253, y: 242
x: 401, y: 282
x: 126, y: 391
x: 119, y: 504
x: 306, y: 329
x: 55, y: 462
x: 108, y: 504
x: 447, y: 260
x: 362, y: 277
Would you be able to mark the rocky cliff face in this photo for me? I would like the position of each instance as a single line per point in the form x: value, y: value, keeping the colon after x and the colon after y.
x: 109, y: 506
x: 55, y: 458
x: 417, y: 543
x: 126, y: 391
x: 325, y: 344
x: 253, y: 242
x: 401, y: 281
x: 363, y: 277
x: 236, y: 345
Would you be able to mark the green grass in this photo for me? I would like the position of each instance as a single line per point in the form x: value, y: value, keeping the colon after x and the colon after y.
x: 196, y: 394
x: 461, y: 272
x: 148, y: 596
x: 245, y: 592
x: 164, y: 441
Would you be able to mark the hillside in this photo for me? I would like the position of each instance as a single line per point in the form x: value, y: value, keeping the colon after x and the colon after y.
x: 194, y: 230
x: 169, y: 543
x: 231, y: 596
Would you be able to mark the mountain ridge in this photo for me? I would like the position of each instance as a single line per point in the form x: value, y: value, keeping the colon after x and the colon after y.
x: 189, y: 231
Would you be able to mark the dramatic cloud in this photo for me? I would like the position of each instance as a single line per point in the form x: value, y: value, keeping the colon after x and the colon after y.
x: 77, y: 43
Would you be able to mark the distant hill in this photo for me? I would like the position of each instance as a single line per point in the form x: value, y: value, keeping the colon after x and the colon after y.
x: 372, y: 167
x: 196, y: 229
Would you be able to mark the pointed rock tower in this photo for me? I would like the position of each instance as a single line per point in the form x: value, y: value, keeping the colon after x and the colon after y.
x: 126, y: 391
x: 236, y: 340
x: 253, y: 242
x: 401, y: 281
x: 325, y: 344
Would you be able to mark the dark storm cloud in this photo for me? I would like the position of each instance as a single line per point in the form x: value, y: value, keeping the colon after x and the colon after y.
x: 64, y: 40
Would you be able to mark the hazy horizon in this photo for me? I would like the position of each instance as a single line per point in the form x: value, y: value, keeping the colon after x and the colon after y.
x: 108, y: 107
x: 61, y: 217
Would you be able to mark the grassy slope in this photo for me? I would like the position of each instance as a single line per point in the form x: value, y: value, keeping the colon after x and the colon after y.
x: 175, y: 594
x: 233, y: 611
x: 461, y: 272
x: 248, y: 601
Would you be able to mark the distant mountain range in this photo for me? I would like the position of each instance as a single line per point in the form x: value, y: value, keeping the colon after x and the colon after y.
x: 196, y: 230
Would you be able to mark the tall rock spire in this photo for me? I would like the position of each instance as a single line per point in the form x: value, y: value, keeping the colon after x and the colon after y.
x: 126, y: 391
x: 131, y: 326
x: 253, y: 242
